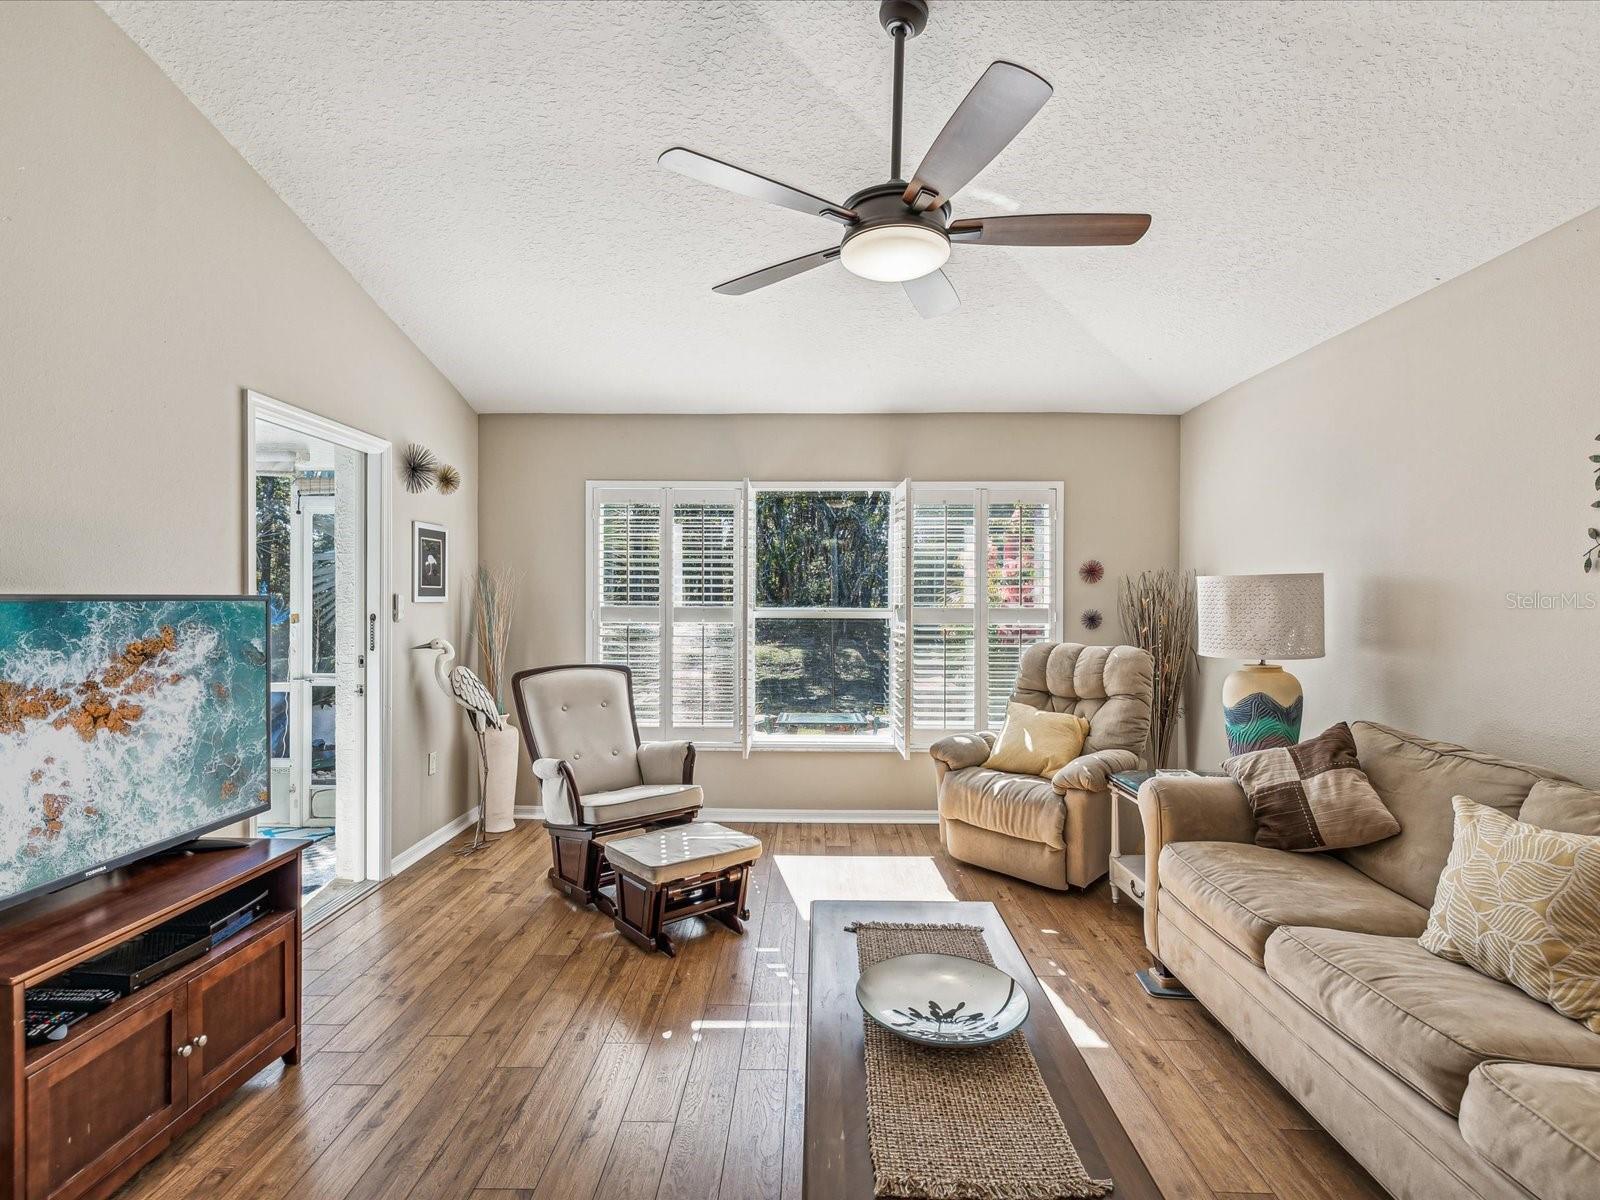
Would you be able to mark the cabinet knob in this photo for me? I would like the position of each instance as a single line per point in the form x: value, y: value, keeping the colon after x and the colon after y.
x: 185, y: 1050
x: 201, y: 1040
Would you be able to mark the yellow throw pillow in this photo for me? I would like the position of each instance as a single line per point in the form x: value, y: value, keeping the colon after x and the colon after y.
x: 1522, y: 904
x: 1036, y: 741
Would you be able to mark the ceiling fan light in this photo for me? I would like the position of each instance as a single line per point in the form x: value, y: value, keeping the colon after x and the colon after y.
x: 895, y: 253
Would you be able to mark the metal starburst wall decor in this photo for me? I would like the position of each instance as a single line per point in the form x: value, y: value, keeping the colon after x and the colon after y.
x: 419, y: 466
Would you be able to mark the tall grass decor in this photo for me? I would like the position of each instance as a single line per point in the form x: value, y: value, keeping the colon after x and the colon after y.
x: 497, y: 602
x: 1158, y: 614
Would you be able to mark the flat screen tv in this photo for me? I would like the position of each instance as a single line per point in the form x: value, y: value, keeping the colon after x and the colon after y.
x: 128, y: 725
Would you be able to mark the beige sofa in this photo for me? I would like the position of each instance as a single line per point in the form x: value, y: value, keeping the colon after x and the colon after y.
x: 1442, y: 1082
x: 1055, y: 832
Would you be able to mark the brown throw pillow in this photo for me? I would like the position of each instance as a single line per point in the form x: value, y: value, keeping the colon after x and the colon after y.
x: 1313, y: 796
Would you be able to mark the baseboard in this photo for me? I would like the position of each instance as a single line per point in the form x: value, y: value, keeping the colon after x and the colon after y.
x: 408, y: 858
x: 790, y: 816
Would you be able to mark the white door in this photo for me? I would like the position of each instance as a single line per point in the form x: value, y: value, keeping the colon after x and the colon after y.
x: 311, y: 559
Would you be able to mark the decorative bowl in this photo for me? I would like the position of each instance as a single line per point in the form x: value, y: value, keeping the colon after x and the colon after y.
x: 939, y: 1000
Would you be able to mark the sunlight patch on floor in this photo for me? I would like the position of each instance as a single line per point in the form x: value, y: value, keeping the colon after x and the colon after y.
x: 812, y: 877
x: 699, y: 1025
x: 1082, y: 1034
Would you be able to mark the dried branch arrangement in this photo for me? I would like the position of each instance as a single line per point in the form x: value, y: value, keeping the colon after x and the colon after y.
x: 497, y: 602
x: 1158, y: 615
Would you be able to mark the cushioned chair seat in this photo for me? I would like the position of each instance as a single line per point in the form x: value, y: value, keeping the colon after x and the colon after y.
x: 679, y: 851
x: 639, y: 802
x: 1428, y: 1021
x: 1540, y: 1125
x: 1019, y: 806
x: 1243, y: 892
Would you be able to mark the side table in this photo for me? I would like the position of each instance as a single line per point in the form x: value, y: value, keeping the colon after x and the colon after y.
x: 1127, y: 872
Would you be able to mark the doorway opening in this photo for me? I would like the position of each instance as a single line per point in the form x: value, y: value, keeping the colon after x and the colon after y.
x: 315, y: 518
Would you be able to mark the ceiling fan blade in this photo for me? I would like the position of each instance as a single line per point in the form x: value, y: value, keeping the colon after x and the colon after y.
x: 776, y: 273
x: 933, y: 294
x: 1004, y: 99
x: 748, y: 183
x: 1052, y: 229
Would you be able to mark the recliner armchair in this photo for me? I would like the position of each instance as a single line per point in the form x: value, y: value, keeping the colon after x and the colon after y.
x: 595, y: 776
x: 1055, y: 832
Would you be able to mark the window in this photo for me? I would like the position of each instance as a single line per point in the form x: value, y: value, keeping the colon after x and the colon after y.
x: 847, y: 616
x: 666, y: 570
x: 982, y: 566
x: 820, y: 615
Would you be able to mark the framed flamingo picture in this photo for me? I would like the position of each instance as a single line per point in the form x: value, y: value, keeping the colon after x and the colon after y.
x: 430, y: 563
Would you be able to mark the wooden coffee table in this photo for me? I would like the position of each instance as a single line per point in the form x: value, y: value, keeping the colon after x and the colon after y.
x: 838, y: 1163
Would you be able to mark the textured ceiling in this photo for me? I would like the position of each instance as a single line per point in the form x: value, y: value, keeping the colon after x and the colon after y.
x: 486, y: 171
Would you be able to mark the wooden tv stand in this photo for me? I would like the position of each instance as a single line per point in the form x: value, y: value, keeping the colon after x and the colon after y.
x: 80, y: 1116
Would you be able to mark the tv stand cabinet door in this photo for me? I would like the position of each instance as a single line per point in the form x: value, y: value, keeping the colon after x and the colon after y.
x: 241, y: 1007
x: 94, y: 1107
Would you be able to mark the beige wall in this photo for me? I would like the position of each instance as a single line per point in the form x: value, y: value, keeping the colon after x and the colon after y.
x: 1120, y: 503
x: 147, y: 277
x: 1430, y: 462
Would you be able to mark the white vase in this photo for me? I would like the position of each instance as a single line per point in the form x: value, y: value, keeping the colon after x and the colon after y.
x: 500, y: 787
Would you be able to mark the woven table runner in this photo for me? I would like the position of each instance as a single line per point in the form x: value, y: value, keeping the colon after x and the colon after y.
x: 960, y: 1123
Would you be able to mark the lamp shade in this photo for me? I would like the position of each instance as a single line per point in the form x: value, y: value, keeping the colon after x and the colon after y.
x: 1259, y: 616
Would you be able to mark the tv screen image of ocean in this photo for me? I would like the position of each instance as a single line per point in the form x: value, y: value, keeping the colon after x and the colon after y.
x: 124, y: 724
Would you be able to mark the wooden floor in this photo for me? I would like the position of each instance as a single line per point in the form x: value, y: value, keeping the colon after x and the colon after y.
x: 470, y: 1033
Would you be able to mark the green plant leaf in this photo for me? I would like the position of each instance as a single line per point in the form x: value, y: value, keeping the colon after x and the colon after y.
x: 1595, y: 534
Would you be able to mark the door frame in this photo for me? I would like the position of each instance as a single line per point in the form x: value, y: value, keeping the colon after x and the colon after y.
x: 379, y: 567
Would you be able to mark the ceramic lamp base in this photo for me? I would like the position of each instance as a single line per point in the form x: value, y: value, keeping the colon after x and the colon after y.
x: 1261, y: 708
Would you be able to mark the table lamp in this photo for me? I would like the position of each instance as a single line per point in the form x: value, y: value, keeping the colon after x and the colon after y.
x: 1260, y: 617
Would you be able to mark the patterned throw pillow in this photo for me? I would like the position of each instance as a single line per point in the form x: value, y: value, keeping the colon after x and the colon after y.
x: 1522, y: 904
x: 1313, y: 796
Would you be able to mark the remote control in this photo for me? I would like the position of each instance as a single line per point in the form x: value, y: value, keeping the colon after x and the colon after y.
x: 44, y: 1025
x: 78, y: 999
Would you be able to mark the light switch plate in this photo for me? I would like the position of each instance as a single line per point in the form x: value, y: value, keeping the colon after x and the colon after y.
x: 433, y: 762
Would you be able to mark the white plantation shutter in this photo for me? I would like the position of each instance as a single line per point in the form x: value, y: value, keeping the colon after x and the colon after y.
x: 943, y: 660
x: 704, y: 548
x: 943, y: 678
x: 748, y: 717
x: 637, y: 646
x: 943, y: 533
x: 1020, y: 549
x: 705, y: 615
x: 899, y: 615
x: 665, y: 596
x: 983, y: 588
x: 1020, y: 555
x: 627, y: 581
x: 630, y: 551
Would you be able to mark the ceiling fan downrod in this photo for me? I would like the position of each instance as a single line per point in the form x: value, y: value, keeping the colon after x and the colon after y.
x: 902, y: 19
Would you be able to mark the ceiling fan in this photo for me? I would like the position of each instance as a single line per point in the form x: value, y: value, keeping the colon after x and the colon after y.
x: 899, y: 231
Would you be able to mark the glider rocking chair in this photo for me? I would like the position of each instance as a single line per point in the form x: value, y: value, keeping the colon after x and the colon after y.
x: 595, y: 777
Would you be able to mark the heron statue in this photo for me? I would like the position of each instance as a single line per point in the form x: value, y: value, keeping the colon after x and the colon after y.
x: 464, y: 687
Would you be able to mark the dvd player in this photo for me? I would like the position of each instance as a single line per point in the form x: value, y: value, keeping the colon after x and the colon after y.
x: 162, y: 950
